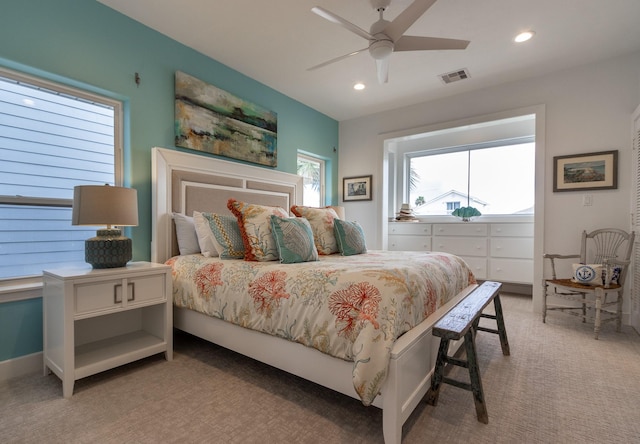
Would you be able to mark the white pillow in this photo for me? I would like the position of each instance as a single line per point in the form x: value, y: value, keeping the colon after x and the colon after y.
x: 186, y: 234
x: 587, y: 274
x: 205, y: 236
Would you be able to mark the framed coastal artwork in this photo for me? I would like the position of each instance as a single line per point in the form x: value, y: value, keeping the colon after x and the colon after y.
x: 591, y: 171
x: 212, y: 120
x: 356, y: 188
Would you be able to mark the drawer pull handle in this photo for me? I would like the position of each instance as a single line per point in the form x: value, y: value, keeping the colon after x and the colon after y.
x: 133, y: 292
x: 116, y: 299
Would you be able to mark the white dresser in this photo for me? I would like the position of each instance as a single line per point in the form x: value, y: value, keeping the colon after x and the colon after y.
x: 95, y: 320
x: 500, y: 251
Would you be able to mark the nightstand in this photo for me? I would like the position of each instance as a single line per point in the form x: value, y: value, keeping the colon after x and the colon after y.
x: 98, y: 319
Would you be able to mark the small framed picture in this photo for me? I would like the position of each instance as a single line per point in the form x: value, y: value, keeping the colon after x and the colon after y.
x: 356, y: 188
x: 591, y: 171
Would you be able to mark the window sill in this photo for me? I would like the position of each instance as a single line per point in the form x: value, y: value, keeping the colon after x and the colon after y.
x: 20, y: 289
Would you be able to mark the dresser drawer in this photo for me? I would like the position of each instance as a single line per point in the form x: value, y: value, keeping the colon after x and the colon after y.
x: 409, y: 243
x: 517, y: 230
x: 512, y: 247
x: 460, y: 246
x: 409, y: 228
x: 511, y: 270
x: 478, y: 265
x: 462, y: 229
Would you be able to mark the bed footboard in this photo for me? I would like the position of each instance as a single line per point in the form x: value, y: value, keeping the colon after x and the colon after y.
x: 412, y: 362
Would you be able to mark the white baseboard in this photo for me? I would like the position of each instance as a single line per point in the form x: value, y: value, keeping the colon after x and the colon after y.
x: 24, y: 365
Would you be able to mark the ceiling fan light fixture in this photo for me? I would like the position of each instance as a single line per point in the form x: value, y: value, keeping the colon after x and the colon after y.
x: 381, y: 49
x: 524, y: 36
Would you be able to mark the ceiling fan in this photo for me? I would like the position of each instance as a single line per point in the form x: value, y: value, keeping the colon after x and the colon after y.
x: 386, y: 37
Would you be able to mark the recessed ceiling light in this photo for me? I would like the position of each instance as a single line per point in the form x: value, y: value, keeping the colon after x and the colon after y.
x: 359, y: 86
x: 524, y: 36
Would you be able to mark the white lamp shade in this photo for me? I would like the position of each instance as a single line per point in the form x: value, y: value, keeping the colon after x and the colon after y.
x: 104, y: 205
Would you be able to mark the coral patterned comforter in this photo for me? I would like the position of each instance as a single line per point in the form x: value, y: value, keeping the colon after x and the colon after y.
x: 352, y: 307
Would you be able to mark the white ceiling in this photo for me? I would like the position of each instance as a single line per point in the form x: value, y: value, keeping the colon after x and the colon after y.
x: 276, y: 41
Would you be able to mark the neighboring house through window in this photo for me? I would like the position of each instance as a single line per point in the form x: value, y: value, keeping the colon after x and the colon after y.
x: 52, y: 138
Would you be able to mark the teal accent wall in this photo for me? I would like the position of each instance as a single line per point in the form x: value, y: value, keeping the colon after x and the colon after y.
x: 20, y: 328
x: 85, y: 44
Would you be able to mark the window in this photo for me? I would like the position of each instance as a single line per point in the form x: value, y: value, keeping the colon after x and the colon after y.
x: 452, y: 206
x: 312, y: 171
x: 51, y: 139
x: 496, y: 178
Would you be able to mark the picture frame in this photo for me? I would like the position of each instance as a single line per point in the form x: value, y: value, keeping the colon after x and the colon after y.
x: 356, y: 188
x: 589, y: 171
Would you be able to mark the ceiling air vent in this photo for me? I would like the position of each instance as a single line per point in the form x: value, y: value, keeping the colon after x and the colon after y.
x: 454, y: 76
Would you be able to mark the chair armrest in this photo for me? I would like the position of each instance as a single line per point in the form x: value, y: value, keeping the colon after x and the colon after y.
x: 560, y: 256
x: 553, y: 257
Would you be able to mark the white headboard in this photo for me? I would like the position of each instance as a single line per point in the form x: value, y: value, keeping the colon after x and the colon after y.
x: 183, y: 182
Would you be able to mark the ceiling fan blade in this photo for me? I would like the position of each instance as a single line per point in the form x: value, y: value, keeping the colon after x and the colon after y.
x: 408, y: 17
x: 383, y: 70
x: 413, y: 43
x: 337, y: 59
x: 342, y: 22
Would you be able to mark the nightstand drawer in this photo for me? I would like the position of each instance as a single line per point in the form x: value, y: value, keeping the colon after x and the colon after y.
x: 111, y: 294
x: 146, y: 289
x: 98, y: 296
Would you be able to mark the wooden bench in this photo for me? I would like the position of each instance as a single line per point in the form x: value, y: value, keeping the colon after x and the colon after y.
x: 463, y: 322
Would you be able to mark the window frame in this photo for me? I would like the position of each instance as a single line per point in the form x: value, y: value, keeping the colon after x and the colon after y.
x: 14, y: 286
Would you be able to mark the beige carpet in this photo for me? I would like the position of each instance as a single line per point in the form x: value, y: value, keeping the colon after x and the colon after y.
x: 558, y: 386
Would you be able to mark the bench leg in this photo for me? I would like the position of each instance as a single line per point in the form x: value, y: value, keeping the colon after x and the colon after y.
x: 502, y: 331
x: 474, y: 375
x: 438, y: 373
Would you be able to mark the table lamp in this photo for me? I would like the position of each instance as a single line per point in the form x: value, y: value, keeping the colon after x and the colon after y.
x: 106, y: 205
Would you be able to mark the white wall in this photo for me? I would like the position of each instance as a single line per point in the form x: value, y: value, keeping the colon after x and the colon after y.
x: 587, y: 109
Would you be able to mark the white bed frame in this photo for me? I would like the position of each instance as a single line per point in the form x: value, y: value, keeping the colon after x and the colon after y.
x: 175, y: 176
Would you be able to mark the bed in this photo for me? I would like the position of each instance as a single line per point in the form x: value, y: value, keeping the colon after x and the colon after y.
x: 184, y: 182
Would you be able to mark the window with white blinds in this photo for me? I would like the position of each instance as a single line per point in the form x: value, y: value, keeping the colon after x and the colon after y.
x: 51, y: 138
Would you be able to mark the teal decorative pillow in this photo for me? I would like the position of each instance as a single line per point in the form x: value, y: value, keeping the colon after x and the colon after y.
x: 350, y: 237
x: 294, y: 239
x: 227, y: 238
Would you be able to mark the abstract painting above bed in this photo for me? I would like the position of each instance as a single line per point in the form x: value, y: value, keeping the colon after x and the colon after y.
x: 214, y: 121
x: 353, y: 308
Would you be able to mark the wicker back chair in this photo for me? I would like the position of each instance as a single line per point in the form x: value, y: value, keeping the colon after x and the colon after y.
x: 608, y: 247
